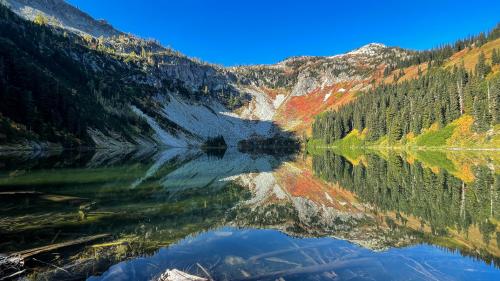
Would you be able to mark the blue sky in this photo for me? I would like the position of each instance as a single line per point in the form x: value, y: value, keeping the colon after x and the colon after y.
x: 232, y: 32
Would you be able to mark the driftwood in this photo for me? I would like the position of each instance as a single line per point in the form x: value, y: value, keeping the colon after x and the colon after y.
x: 177, y: 275
x: 13, y: 265
x: 362, y: 262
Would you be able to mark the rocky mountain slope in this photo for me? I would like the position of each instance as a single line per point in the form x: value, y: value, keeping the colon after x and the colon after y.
x: 301, y: 87
x: 59, y: 13
x: 190, y: 101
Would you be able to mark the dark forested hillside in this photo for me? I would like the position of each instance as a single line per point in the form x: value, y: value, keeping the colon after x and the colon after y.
x: 405, y: 109
x: 53, y: 88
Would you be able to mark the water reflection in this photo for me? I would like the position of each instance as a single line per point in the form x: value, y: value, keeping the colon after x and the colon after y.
x: 449, y: 199
x: 347, y: 215
x: 235, y: 254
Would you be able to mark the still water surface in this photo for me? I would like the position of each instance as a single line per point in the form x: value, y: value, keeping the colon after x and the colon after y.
x: 348, y: 215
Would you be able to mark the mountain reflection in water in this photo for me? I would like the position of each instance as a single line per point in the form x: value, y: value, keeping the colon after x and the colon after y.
x: 348, y: 215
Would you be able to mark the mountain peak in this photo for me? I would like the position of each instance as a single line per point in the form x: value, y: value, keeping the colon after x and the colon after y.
x: 374, y: 45
x: 368, y: 49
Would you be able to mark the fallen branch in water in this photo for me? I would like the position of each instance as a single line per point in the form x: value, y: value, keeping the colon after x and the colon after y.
x: 13, y: 265
x: 9, y: 277
x: 278, y: 252
x: 205, y: 271
x: 362, y: 262
x: 53, y: 265
x: 49, y: 248
x: 20, y: 193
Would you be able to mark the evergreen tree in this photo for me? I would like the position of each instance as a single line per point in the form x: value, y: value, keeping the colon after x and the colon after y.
x: 438, y: 96
x: 495, y: 57
x: 482, y: 68
x: 387, y: 71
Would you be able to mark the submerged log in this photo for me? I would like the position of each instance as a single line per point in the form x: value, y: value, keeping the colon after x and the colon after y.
x: 205, y: 272
x: 20, y: 193
x: 12, y: 266
x: 361, y: 262
x: 49, y: 248
x: 283, y: 251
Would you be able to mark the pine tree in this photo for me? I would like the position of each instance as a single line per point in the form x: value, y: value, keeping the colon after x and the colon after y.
x: 482, y: 68
x: 495, y: 100
x: 481, y: 39
x: 395, y: 131
x: 495, y: 57
x: 387, y: 71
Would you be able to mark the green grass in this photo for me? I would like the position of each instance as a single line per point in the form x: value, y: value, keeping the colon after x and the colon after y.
x: 435, y: 138
x: 353, y: 139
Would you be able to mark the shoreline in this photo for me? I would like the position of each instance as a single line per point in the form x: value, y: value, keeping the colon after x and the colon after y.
x: 410, y: 148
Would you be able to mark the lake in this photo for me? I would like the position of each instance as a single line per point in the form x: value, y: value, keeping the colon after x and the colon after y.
x: 227, y: 215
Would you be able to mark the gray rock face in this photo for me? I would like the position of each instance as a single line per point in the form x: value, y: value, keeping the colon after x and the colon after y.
x: 63, y: 14
x: 304, y: 74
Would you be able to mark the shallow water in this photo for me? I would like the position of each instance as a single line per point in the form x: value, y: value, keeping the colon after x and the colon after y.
x: 336, y: 215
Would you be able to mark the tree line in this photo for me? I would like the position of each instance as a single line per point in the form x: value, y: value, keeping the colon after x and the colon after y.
x: 439, y: 54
